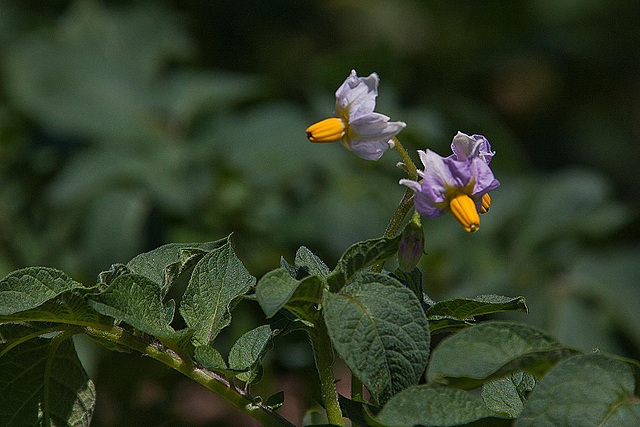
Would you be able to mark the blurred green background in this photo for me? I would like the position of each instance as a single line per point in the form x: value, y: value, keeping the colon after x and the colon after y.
x: 125, y: 125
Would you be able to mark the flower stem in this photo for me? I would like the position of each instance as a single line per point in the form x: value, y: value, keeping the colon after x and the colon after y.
x: 210, y: 380
x: 323, y: 353
x: 412, y: 171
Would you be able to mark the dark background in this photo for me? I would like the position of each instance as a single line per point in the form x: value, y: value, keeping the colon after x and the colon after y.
x: 125, y: 125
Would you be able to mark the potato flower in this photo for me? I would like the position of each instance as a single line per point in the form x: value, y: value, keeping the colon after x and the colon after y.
x: 464, y: 146
x: 362, y: 131
x: 451, y: 185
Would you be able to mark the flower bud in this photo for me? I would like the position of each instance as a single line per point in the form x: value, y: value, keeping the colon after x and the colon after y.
x: 411, y: 245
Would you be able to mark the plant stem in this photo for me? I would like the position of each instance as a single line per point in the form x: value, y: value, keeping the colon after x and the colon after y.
x: 210, y: 380
x: 323, y: 353
x: 406, y: 203
x: 411, y: 167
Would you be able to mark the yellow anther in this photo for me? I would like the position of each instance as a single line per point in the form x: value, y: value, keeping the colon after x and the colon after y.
x: 464, y: 210
x: 486, y: 202
x: 328, y: 130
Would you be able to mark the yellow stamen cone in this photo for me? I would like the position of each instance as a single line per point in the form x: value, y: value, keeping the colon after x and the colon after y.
x: 328, y: 130
x: 464, y: 210
x: 486, y: 202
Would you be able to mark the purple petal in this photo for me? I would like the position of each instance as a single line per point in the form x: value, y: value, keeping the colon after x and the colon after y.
x: 485, y: 181
x: 464, y: 146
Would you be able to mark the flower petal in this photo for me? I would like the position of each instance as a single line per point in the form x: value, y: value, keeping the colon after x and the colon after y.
x: 464, y: 146
x: 368, y: 136
x: 357, y: 95
x: 484, y: 179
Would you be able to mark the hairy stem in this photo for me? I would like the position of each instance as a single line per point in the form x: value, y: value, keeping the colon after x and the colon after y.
x: 210, y: 380
x: 323, y: 353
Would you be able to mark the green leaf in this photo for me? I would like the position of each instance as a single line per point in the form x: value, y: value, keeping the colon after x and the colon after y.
x: 277, y: 289
x: 585, y: 390
x: 379, y: 329
x: 441, y: 324
x: 28, y: 288
x: 413, y: 279
x: 491, y: 350
x: 360, y: 256
x: 507, y: 395
x: 216, y: 284
x: 164, y: 265
x: 274, y: 290
x: 211, y: 359
x: 313, y: 265
x: 42, y: 380
x: 307, y: 297
x: 136, y: 300
x: 464, y: 308
x: 65, y: 308
x: 247, y: 352
x: 432, y: 406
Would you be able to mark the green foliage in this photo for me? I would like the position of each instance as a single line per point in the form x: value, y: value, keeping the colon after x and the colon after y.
x: 28, y: 288
x: 491, y: 350
x: 379, y: 329
x: 586, y: 390
x: 43, y: 383
x: 427, y: 405
x: 455, y: 314
x: 247, y: 352
x: 360, y: 256
x: 376, y: 324
x: 216, y: 284
x: 507, y: 395
x: 136, y: 300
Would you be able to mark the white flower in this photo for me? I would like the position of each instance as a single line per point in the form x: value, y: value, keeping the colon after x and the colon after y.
x: 362, y: 131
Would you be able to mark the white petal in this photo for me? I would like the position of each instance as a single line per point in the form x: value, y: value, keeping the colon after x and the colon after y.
x: 357, y: 95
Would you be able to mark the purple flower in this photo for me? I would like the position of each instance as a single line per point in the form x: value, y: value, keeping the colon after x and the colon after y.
x: 451, y: 185
x: 464, y: 146
x: 360, y: 129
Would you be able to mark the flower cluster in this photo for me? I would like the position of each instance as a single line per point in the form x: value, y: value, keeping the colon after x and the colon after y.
x: 459, y: 183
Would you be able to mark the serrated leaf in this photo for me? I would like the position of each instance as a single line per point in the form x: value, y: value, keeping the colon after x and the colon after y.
x: 164, y: 265
x: 136, y: 300
x: 379, y: 329
x: 309, y: 261
x: 216, y: 284
x: 585, y: 390
x: 507, y: 395
x: 360, y: 256
x: 491, y: 350
x: 432, y: 406
x: 246, y: 353
x: 464, y: 308
x: 42, y: 380
x: 29, y: 287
